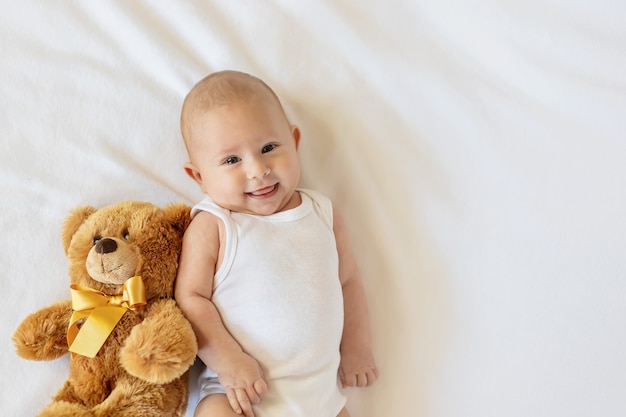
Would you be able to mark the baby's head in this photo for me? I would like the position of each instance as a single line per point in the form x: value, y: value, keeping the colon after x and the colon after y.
x: 241, y: 146
x: 222, y: 89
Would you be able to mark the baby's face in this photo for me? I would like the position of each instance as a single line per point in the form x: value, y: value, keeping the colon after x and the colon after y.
x: 244, y: 156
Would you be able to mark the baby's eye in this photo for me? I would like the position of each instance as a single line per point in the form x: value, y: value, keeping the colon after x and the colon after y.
x: 268, y: 148
x: 232, y: 160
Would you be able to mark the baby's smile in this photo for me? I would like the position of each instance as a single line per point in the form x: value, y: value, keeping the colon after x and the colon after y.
x: 264, y: 192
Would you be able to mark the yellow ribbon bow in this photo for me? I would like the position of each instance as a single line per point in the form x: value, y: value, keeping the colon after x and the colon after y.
x: 102, y: 311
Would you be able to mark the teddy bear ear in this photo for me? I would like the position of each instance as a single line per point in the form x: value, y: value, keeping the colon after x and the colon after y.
x: 178, y: 216
x: 71, y: 224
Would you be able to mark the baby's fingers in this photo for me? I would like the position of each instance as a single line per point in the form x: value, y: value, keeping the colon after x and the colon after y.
x: 251, y: 395
x: 260, y: 388
x: 347, y: 380
x: 367, y: 379
x: 358, y: 379
x: 239, y: 402
x: 232, y: 399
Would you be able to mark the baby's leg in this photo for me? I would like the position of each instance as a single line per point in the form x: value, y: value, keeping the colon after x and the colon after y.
x: 215, y: 405
x: 343, y: 413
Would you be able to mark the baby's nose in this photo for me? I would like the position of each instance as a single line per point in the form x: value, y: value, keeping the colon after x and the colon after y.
x: 257, y: 168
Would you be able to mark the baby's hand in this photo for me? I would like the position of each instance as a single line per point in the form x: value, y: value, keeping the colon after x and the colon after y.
x: 244, y: 383
x: 357, y: 368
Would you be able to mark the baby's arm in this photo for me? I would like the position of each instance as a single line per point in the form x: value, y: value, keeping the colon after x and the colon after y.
x: 357, y: 367
x: 238, y: 372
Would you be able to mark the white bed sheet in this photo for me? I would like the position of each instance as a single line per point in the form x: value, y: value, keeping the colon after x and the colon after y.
x: 475, y: 148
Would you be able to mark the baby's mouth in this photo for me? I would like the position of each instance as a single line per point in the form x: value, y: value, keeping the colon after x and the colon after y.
x: 263, y: 192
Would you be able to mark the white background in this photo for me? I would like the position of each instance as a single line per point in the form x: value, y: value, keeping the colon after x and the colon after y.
x: 476, y: 149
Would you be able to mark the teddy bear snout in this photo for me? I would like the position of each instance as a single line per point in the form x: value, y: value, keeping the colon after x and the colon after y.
x: 112, y: 261
x: 106, y: 245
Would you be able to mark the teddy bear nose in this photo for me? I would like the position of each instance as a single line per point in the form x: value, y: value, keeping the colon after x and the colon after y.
x: 106, y: 246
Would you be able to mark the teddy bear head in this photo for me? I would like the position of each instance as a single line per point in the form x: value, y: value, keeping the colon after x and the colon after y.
x: 107, y: 246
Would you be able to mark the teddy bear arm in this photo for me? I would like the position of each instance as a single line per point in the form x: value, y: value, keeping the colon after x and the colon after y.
x: 42, y: 335
x: 162, y: 347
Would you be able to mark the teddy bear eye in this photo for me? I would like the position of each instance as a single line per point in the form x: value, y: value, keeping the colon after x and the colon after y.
x: 126, y: 235
x: 96, y: 239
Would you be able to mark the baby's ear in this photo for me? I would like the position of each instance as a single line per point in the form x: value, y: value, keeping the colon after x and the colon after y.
x: 73, y: 222
x: 295, y: 132
x: 193, y: 173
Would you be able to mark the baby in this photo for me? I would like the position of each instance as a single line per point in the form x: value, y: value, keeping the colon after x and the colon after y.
x: 266, y: 277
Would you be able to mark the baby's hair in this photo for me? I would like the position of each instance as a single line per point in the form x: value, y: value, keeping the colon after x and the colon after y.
x: 224, y: 87
x: 220, y: 89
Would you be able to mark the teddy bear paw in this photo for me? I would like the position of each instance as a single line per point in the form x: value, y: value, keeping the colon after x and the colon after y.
x: 155, y: 363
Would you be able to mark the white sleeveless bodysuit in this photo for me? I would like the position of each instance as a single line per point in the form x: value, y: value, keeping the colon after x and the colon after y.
x: 278, y: 293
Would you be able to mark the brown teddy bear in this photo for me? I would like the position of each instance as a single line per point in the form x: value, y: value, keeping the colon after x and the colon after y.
x: 131, y: 347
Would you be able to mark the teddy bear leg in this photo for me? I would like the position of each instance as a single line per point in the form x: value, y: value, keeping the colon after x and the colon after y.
x: 66, y: 404
x: 137, y: 398
x: 65, y: 409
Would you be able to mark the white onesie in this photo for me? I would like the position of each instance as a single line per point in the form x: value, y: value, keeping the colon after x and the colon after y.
x: 278, y: 294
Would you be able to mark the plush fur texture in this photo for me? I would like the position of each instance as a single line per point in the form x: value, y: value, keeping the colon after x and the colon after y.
x: 142, y: 368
